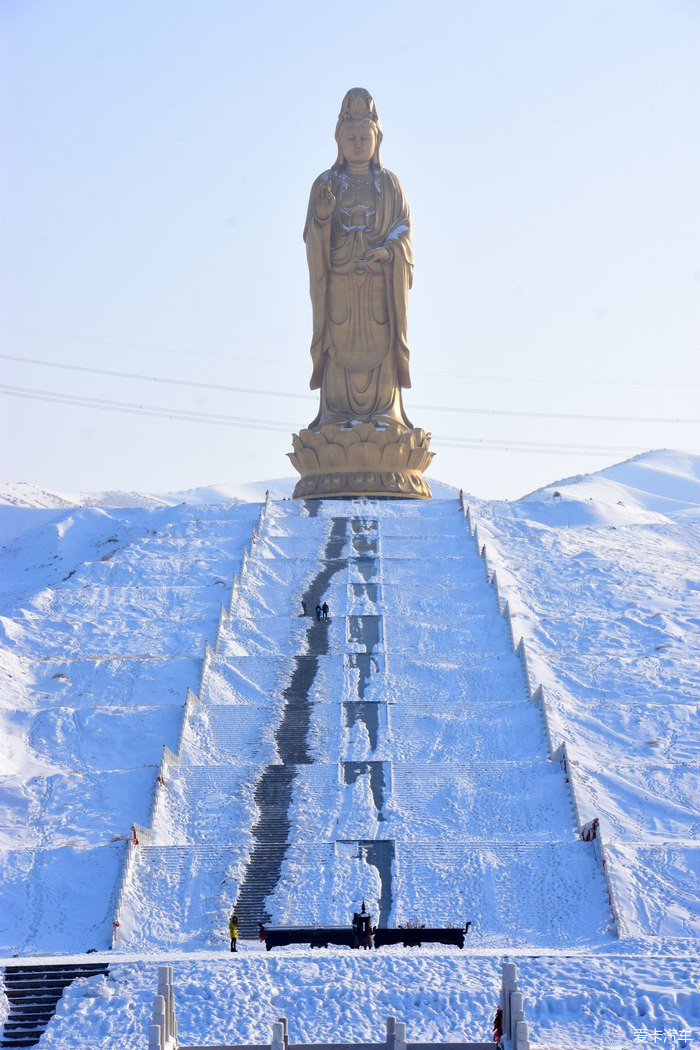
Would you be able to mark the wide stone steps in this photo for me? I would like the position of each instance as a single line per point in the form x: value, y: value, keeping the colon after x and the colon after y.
x: 503, y: 800
x: 32, y: 993
x: 371, y: 799
x: 507, y: 890
x: 483, y: 634
x: 245, y: 732
x: 454, y: 733
x: 390, y: 753
x: 198, y: 886
x: 274, y: 790
x: 466, y: 676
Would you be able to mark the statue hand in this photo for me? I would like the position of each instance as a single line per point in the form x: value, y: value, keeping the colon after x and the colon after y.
x: 376, y: 255
x: 325, y: 201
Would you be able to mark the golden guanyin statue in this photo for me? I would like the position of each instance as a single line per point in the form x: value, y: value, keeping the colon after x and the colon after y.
x: 358, y: 244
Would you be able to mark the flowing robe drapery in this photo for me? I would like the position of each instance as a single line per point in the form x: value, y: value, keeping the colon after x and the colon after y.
x: 359, y: 347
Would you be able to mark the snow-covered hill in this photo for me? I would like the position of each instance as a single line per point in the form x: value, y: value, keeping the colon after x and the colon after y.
x: 106, y: 603
x: 603, y: 574
x: 665, y: 483
x: 26, y: 496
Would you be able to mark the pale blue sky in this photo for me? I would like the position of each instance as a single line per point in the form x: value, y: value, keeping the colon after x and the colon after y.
x: 160, y: 158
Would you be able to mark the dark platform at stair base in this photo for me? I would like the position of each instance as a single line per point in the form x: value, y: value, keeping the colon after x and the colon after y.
x: 322, y: 936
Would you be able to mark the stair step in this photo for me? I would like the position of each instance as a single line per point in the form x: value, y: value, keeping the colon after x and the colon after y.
x: 33, y: 992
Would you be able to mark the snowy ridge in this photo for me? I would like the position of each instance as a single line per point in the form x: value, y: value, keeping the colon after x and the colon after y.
x: 558, y: 751
x: 25, y: 496
x: 619, y: 552
x: 661, y: 483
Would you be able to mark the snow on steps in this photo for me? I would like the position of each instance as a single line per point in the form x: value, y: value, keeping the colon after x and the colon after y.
x: 558, y: 753
x: 515, y: 893
x: 416, y: 801
x: 33, y: 993
x: 464, y: 643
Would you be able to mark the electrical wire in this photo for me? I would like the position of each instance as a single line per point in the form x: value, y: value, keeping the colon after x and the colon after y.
x: 460, y: 410
x: 182, y: 415
x: 550, y: 380
x: 193, y: 384
x: 149, y: 410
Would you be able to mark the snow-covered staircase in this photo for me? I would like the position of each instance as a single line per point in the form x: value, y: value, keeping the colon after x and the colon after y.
x: 389, y: 753
x: 33, y: 993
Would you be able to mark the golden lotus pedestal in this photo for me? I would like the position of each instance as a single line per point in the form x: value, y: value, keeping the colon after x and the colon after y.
x: 379, y: 461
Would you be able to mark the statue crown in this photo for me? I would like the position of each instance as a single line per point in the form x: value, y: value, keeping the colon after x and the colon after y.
x: 358, y: 104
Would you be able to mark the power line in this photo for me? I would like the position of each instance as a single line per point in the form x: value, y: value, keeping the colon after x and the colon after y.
x: 548, y: 380
x: 460, y: 410
x: 180, y: 415
x: 148, y: 410
x: 495, y: 443
x: 555, y: 415
x: 105, y: 341
x: 551, y: 380
x: 192, y: 383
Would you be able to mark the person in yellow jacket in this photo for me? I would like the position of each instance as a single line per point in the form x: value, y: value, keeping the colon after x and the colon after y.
x: 233, y: 930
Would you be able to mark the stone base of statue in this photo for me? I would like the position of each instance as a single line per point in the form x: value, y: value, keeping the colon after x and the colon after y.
x: 379, y: 461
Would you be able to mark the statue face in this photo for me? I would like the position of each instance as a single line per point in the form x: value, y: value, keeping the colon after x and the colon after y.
x: 357, y: 141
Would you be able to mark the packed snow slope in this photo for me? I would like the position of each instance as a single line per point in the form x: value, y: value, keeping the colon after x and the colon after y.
x: 105, y: 612
x: 602, y: 574
x: 107, y: 602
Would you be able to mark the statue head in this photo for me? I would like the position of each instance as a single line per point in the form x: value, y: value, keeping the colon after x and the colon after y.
x: 358, y: 110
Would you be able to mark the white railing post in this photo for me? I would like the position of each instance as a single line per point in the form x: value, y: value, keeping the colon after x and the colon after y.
x: 159, y: 1019
x: 191, y: 701
x: 513, y: 1025
x: 126, y: 872
x: 600, y: 852
x: 222, y: 624
x: 162, y: 1033
x: 522, y: 653
x: 508, y: 616
x: 277, y: 1041
x: 171, y: 759
x: 234, y: 595
x: 163, y: 993
x: 522, y: 1036
x: 494, y: 584
x: 517, y: 1012
x: 206, y: 663
x: 539, y: 697
x: 165, y: 989
x: 142, y: 836
x: 508, y: 985
x: 173, y: 1021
